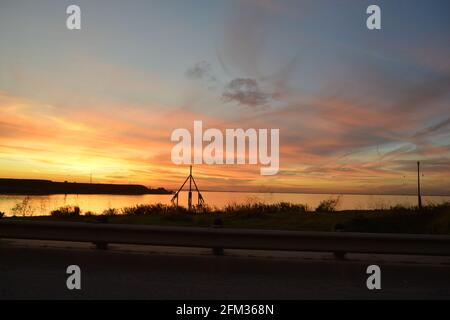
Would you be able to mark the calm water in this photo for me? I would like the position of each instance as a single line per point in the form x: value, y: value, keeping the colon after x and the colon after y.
x: 42, y: 205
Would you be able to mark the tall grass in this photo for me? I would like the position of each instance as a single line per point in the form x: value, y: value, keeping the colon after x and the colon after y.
x: 328, y: 205
x: 396, y: 219
x: 23, y: 208
x: 67, y: 211
x: 399, y: 219
x: 260, y: 210
x: 248, y: 209
x: 159, y: 208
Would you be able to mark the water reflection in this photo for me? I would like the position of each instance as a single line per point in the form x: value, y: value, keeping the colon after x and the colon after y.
x: 43, y: 205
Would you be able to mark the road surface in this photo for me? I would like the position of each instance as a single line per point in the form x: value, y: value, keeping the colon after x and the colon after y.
x: 30, y: 270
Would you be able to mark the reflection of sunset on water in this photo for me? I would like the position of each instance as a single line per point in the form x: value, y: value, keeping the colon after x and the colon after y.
x: 97, y: 204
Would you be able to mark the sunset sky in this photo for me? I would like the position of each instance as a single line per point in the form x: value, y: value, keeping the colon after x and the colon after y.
x: 356, y: 108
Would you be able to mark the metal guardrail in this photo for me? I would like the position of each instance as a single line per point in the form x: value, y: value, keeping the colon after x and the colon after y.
x: 337, y: 242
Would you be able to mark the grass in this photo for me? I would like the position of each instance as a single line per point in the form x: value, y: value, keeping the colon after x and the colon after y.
x: 432, y: 219
x: 67, y: 211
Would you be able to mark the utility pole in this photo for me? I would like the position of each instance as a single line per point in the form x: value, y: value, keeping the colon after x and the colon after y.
x: 419, y: 197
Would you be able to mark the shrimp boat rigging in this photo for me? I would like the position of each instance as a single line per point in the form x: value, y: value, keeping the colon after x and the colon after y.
x: 190, y: 178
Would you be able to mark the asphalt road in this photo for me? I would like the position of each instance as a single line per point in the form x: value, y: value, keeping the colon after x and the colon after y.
x: 39, y: 272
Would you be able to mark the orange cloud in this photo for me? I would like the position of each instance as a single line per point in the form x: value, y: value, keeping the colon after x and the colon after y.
x: 132, y: 144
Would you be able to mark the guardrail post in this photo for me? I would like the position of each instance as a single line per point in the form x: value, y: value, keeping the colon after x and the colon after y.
x: 339, y: 227
x: 102, y: 245
x: 340, y: 254
x: 1, y: 216
x: 218, y: 223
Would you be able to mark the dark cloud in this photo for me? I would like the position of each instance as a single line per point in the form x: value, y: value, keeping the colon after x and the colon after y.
x: 201, y: 70
x: 245, y: 92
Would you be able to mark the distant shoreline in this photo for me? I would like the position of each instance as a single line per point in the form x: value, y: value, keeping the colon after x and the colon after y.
x: 331, y: 193
x: 35, y: 187
x: 47, y: 187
